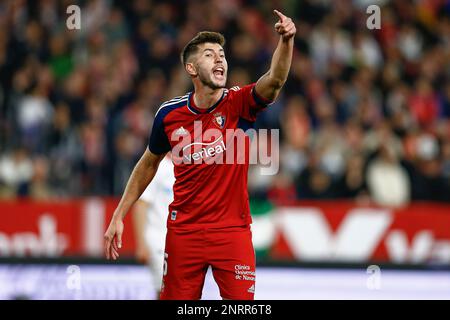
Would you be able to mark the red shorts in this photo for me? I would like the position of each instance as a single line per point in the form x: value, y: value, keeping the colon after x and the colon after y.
x: 188, y: 254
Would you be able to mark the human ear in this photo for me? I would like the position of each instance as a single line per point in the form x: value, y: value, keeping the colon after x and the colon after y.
x: 190, y: 69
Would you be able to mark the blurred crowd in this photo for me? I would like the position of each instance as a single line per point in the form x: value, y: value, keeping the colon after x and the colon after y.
x: 364, y: 115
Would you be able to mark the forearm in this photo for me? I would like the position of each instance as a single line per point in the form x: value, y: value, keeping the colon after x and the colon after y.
x: 142, y: 175
x: 270, y: 84
x: 281, y: 62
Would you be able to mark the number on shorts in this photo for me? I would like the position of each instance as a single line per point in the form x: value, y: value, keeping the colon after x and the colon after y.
x: 165, y: 263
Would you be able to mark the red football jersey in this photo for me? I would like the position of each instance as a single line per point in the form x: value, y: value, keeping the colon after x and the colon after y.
x: 210, y: 189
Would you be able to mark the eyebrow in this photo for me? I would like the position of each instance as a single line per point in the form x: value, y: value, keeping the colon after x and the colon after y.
x: 212, y: 50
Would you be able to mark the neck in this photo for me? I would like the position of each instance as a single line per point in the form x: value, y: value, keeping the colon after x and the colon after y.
x: 205, y: 97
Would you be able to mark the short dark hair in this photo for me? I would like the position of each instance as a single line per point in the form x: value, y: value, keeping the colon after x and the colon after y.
x: 200, y: 38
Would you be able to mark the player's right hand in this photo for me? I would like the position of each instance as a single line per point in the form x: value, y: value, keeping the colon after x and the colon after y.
x: 285, y: 26
x: 113, y: 238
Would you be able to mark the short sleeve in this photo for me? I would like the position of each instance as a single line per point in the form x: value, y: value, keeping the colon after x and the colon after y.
x: 159, y: 142
x: 248, y: 102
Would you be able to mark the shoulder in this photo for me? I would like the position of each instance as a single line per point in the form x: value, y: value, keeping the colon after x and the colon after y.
x: 231, y: 93
x: 238, y: 93
x: 239, y: 90
x: 232, y: 90
x: 171, y: 105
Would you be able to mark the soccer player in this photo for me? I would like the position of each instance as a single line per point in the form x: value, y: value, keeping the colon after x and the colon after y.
x: 209, y: 219
x: 150, y: 216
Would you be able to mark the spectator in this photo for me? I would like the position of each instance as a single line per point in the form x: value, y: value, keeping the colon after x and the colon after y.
x: 16, y: 171
x: 357, y: 104
x: 388, y: 182
x: 39, y: 188
x: 424, y: 104
x: 352, y: 184
x: 314, y: 182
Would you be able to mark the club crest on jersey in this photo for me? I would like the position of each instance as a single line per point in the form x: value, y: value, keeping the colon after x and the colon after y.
x: 219, y: 120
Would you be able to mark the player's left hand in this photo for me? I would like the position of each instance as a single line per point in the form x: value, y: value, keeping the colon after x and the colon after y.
x: 285, y: 26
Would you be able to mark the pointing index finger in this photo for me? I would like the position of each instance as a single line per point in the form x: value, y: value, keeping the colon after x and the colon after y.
x: 280, y: 15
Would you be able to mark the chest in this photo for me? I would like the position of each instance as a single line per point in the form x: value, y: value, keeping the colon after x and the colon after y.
x: 201, y: 127
x: 206, y: 137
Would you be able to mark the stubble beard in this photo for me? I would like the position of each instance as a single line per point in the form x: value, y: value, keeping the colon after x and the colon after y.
x: 207, y: 81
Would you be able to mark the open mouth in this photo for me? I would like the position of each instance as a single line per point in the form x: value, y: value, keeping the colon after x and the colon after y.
x: 219, y: 72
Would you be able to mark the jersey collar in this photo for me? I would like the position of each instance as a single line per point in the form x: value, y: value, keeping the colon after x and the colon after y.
x: 191, y: 104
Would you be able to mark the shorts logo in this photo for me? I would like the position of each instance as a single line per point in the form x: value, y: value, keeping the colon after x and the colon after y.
x: 244, y: 272
x: 251, y: 289
x: 219, y: 120
x: 173, y: 215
